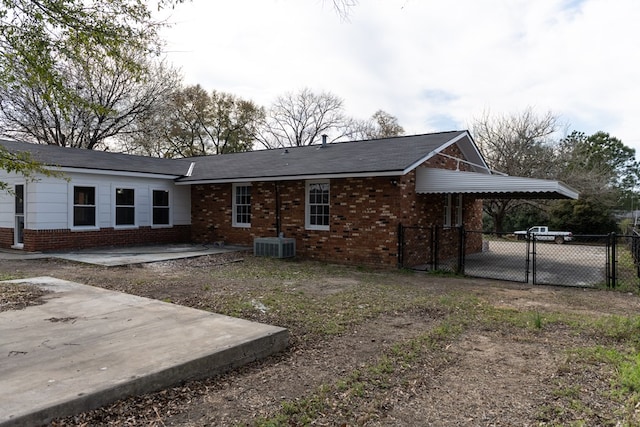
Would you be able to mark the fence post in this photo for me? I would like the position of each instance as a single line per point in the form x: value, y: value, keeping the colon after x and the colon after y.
x: 614, y: 261
x: 400, y: 246
x: 531, y: 239
x: 607, y: 272
x: 436, y: 248
x: 461, y: 247
x: 636, y: 252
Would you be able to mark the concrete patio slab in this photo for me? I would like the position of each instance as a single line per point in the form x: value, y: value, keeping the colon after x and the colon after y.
x: 86, y: 347
x: 111, y: 257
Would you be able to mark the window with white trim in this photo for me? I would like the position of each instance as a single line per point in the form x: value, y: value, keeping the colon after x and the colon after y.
x: 161, y: 207
x: 241, y: 205
x: 317, y: 205
x: 125, y: 207
x: 84, y: 206
x: 452, y: 212
x: 459, y: 210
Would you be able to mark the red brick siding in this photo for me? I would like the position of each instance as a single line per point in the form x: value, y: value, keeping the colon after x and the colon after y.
x: 363, y: 222
x: 64, y: 239
x: 365, y: 213
x: 442, y: 162
x: 6, y: 237
x: 427, y: 210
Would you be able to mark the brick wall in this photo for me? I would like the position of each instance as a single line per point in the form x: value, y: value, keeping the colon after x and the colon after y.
x: 6, y: 237
x: 363, y: 218
x: 64, y: 239
x: 364, y: 215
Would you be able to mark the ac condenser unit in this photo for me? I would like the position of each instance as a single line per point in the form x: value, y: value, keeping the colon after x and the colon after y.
x: 278, y: 247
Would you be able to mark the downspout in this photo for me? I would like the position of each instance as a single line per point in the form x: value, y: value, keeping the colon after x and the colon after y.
x: 277, y: 191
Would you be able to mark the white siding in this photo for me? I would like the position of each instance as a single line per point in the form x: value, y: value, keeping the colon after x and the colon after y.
x: 46, y: 207
x: 7, y: 201
x: 49, y: 201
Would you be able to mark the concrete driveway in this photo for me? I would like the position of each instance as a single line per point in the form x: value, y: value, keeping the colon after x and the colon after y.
x: 86, y: 347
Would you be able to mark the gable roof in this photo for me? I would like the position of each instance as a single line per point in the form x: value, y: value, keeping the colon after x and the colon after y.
x: 378, y: 157
x: 76, y: 158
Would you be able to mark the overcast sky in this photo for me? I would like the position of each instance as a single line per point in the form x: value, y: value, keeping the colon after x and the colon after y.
x: 436, y: 65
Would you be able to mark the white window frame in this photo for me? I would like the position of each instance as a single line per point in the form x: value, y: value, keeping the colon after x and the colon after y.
x: 449, y: 212
x: 73, y: 205
x: 236, y: 205
x: 116, y: 206
x: 308, y: 205
x: 16, y: 244
x: 169, y: 205
x: 459, y: 210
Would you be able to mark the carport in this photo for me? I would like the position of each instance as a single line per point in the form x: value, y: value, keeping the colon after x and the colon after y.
x: 500, y: 257
x: 588, y: 261
x: 486, y: 185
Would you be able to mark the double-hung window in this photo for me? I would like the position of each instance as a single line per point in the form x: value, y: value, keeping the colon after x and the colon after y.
x: 241, y: 205
x: 84, y: 206
x: 317, y: 206
x: 452, y: 210
x: 161, y: 207
x: 458, y: 213
x: 125, y: 207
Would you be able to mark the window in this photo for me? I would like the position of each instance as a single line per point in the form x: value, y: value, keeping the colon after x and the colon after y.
x: 160, y: 207
x: 18, y: 234
x: 125, y: 206
x: 241, y: 205
x: 459, y: 210
x: 317, y: 205
x: 452, y: 211
x: 84, y: 206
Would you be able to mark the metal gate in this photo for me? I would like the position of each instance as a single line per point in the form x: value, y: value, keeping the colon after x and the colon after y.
x: 431, y: 248
x: 587, y: 261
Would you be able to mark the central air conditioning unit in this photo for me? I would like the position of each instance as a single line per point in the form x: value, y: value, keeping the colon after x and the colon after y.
x: 277, y: 247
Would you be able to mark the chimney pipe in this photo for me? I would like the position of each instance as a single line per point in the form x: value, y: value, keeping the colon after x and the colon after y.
x: 324, y: 140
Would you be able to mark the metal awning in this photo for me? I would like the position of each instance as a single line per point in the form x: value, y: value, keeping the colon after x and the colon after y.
x: 430, y: 180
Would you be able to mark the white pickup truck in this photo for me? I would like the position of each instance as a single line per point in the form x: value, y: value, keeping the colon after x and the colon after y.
x: 541, y: 232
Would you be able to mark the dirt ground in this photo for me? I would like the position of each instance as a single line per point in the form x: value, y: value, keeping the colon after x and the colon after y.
x: 408, y: 349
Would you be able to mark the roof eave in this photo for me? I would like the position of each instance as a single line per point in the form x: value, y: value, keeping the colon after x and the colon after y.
x: 478, y: 162
x: 289, y: 177
x: 111, y: 172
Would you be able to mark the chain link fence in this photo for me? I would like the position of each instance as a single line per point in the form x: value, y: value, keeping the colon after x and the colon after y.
x: 610, y: 260
x: 431, y: 248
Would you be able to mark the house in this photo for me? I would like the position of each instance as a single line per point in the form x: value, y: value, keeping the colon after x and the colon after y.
x: 340, y: 202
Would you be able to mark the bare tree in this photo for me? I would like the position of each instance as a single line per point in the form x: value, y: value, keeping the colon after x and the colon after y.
x: 108, y: 98
x: 380, y: 125
x: 183, y: 130
x: 232, y: 123
x: 343, y: 7
x: 193, y: 122
x: 298, y: 119
x: 519, y: 144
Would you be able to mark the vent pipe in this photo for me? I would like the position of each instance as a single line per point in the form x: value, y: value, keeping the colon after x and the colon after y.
x: 324, y: 140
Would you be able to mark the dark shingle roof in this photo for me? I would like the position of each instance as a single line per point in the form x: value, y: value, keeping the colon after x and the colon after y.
x: 359, y: 157
x: 53, y: 155
x: 371, y: 157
